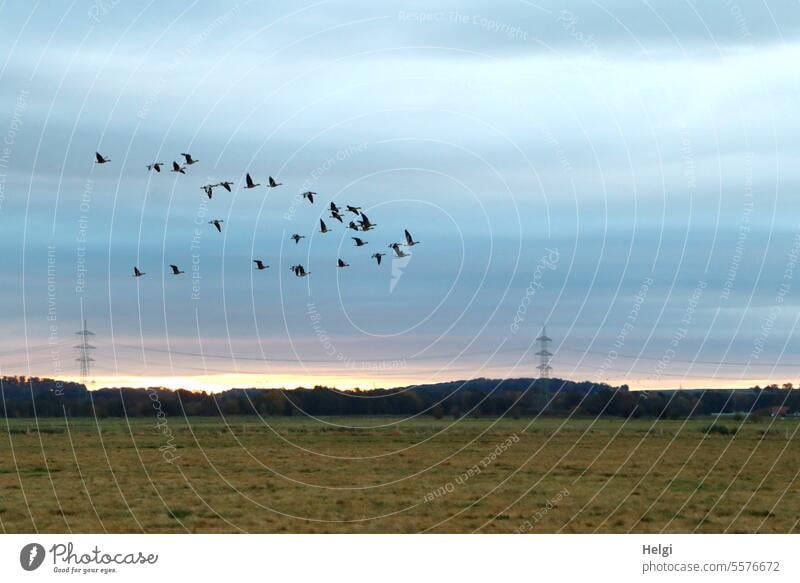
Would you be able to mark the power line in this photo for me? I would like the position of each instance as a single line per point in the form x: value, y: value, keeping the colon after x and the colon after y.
x: 84, y: 353
x: 544, y: 354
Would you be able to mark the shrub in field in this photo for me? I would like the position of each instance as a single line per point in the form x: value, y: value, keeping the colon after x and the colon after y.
x: 718, y: 429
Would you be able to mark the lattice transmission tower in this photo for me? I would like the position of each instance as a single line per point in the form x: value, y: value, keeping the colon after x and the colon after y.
x: 544, y: 354
x: 84, y: 349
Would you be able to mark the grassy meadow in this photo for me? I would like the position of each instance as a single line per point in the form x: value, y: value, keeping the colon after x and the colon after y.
x: 375, y: 475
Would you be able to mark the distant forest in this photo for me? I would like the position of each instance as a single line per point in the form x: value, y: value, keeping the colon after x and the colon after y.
x: 38, y: 397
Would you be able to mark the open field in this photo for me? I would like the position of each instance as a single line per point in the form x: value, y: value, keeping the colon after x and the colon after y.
x: 290, y: 474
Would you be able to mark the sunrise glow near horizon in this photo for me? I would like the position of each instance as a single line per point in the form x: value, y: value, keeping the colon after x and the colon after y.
x: 656, y: 236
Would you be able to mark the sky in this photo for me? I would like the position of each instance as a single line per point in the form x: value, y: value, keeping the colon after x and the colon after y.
x: 623, y: 172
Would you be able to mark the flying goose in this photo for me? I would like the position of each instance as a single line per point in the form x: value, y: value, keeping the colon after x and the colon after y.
x: 296, y: 238
x: 323, y: 228
x: 178, y: 168
x: 399, y: 252
x: 410, y: 242
x: 299, y: 271
x: 226, y: 185
x: 337, y: 216
x: 353, y: 226
x: 378, y: 256
x: 341, y: 263
x: 175, y: 270
x: 208, y: 189
x: 366, y: 225
x: 260, y: 264
x: 359, y: 242
x: 217, y: 223
x: 250, y: 183
x: 272, y: 183
x: 334, y: 208
x: 189, y: 159
x: 155, y: 166
x: 100, y: 159
x: 137, y: 273
x: 356, y: 210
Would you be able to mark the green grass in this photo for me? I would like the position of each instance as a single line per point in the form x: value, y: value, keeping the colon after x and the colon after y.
x: 292, y: 474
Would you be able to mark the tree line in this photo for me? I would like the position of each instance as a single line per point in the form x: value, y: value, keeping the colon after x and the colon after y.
x: 42, y: 397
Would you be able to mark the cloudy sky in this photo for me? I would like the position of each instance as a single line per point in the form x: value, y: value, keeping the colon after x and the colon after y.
x: 622, y: 171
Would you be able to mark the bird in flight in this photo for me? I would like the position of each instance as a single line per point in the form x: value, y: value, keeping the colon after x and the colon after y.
x: 208, y: 189
x: 296, y: 238
x: 189, y: 159
x: 356, y: 210
x: 378, y: 256
x: 399, y: 252
x: 136, y: 272
x: 299, y: 271
x: 175, y: 270
x: 337, y: 216
x: 249, y: 182
x: 334, y: 208
x: 155, y: 166
x: 178, y: 168
x: 100, y: 159
x: 323, y: 228
x: 217, y: 223
x: 410, y: 242
x: 260, y: 264
x: 309, y: 196
x: 273, y: 184
x: 359, y: 242
x: 226, y: 185
x: 353, y: 226
x: 341, y: 263
x: 366, y: 225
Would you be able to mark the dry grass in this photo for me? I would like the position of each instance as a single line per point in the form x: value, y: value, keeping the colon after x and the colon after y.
x: 301, y: 475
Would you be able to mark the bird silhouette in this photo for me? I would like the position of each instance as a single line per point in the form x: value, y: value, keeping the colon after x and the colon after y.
x: 410, y: 242
x: 359, y: 242
x: 137, y: 273
x: 399, y: 252
x: 309, y: 196
x: 189, y: 159
x: 337, y: 216
x: 272, y: 183
x: 217, y: 223
x: 323, y: 228
x: 356, y: 210
x: 341, y: 263
x: 226, y: 185
x: 260, y: 264
x: 99, y: 159
x: 178, y: 168
x: 296, y: 238
x: 378, y: 256
x: 334, y: 208
x: 175, y: 270
x: 155, y: 166
x: 249, y: 182
x: 299, y: 271
x: 365, y: 223
x: 353, y: 226
x: 208, y: 189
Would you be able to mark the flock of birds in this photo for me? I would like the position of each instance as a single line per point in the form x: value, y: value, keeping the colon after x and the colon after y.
x: 361, y: 222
